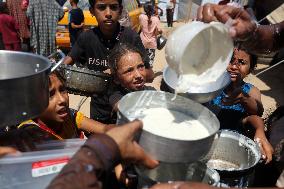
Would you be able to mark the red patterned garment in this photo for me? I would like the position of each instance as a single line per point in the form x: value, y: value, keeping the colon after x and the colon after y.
x: 16, y: 11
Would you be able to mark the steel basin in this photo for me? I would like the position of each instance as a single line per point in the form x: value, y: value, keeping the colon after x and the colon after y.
x: 204, y: 93
x: 166, y: 149
x: 24, y: 90
x: 234, y: 156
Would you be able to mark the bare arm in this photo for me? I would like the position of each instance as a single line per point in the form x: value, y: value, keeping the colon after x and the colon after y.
x: 74, y: 26
x: 263, y: 39
x: 68, y: 60
x: 93, y: 126
x: 252, y: 102
x: 258, y: 124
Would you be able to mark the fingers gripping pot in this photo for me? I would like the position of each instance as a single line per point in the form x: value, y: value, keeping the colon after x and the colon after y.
x: 172, y: 149
x: 23, y: 86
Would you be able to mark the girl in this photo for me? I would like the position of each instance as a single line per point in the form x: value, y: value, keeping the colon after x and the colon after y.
x: 129, y: 74
x: 240, y: 104
x: 58, y: 121
x: 9, y: 29
x: 150, y: 28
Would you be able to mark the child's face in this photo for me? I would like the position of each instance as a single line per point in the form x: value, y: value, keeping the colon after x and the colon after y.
x: 239, y: 65
x: 131, y: 72
x: 107, y: 13
x: 57, y: 110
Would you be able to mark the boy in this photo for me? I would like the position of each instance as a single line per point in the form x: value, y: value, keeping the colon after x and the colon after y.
x: 76, y: 21
x: 95, y: 44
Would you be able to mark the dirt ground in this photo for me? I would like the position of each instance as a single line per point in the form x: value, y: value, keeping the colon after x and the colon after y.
x: 270, y: 83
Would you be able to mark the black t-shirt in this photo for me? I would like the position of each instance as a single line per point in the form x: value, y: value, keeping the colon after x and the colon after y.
x: 103, y: 105
x: 95, y: 50
x: 76, y: 17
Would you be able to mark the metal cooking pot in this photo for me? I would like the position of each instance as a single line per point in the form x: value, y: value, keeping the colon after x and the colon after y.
x: 197, y: 172
x: 166, y: 149
x: 234, y: 157
x: 23, y: 86
x: 204, y: 93
x: 84, y: 81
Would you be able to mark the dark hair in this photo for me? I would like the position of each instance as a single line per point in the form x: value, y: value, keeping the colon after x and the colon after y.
x: 76, y: 1
x: 93, y: 2
x: 118, y: 51
x: 4, y: 8
x: 59, y: 74
x: 252, y: 58
x: 149, y: 9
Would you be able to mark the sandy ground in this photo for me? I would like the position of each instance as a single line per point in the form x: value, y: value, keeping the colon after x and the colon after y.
x: 270, y: 83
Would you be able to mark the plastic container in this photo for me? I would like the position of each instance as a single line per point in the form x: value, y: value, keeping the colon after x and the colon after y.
x: 36, y: 169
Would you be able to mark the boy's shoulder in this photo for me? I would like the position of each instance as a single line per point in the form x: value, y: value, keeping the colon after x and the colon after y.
x: 129, y: 33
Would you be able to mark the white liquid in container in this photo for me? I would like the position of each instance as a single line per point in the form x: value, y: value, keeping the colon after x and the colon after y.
x: 173, y: 124
x: 203, y: 54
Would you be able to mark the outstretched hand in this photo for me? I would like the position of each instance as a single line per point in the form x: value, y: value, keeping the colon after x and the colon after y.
x: 240, y: 22
x: 129, y: 149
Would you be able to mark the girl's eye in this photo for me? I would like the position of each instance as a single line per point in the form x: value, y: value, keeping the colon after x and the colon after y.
x: 242, y: 62
x: 51, y: 93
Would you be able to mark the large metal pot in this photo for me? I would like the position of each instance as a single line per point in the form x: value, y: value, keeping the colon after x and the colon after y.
x: 234, y: 156
x: 162, y: 148
x: 84, y: 81
x: 23, y: 86
x: 204, y: 93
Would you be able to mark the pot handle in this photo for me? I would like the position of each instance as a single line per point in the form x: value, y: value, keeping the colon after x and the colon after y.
x: 62, y: 55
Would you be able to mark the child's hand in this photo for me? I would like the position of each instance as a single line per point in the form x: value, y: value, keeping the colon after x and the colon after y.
x: 265, y: 147
x: 7, y: 150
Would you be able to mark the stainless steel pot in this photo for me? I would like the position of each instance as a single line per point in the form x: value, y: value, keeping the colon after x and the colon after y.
x: 23, y: 86
x: 197, y: 172
x: 204, y: 93
x: 166, y: 149
x: 84, y: 81
x: 234, y: 157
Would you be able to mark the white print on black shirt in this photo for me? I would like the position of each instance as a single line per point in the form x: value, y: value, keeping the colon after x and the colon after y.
x: 98, y: 62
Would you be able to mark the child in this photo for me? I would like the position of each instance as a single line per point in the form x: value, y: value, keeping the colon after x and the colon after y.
x: 9, y: 29
x: 58, y: 121
x: 95, y: 46
x: 128, y: 71
x: 240, y: 103
x: 76, y: 21
x: 150, y: 28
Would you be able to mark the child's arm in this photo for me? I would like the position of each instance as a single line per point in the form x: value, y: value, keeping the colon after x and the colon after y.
x: 74, y: 26
x: 252, y: 102
x: 258, y: 124
x: 90, y: 125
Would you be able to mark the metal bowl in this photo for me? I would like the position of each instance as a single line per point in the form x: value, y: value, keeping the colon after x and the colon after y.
x: 162, y: 148
x: 234, y: 156
x: 204, y: 93
x: 23, y: 86
x: 84, y: 81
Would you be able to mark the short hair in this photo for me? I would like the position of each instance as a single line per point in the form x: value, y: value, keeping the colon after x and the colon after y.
x: 76, y: 1
x: 93, y: 2
x: 119, y: 51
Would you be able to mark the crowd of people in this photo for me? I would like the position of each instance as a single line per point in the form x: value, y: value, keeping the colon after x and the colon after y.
x: 118, y: 50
